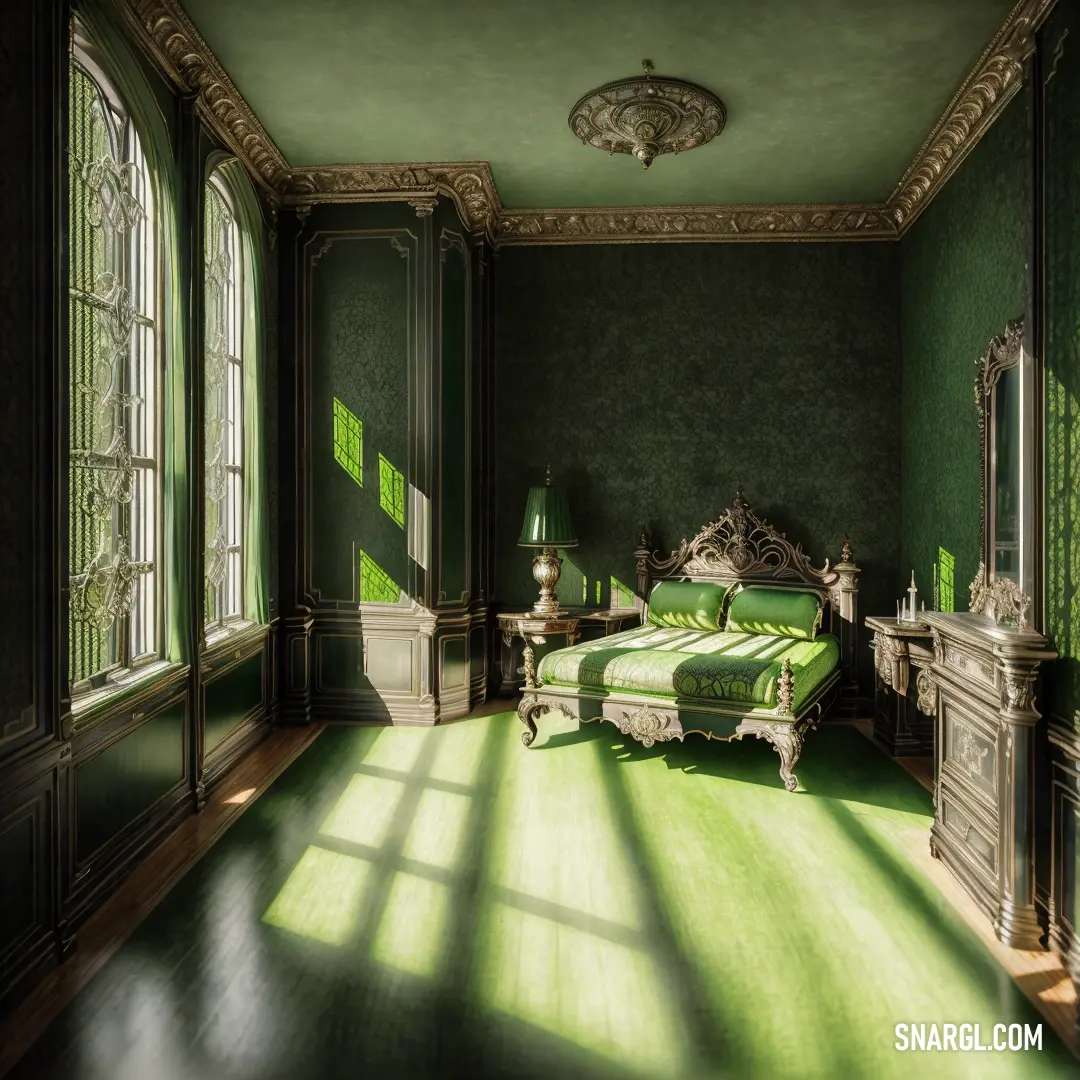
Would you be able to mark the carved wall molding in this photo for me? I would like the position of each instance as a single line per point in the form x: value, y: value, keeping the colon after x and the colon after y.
x: 977, y: 104
x: 589, y: 225
x: 170, y: 38
x: 172, y: 41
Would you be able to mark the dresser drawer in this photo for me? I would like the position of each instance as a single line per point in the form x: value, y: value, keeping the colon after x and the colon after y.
x: 974, y: 665
x: 969, y: 752
x: 974, y: 836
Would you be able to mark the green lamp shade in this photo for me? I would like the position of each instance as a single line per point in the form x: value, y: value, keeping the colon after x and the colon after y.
x: 547, y: 519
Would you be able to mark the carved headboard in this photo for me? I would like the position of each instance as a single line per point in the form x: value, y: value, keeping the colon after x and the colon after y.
x: 740, y: 547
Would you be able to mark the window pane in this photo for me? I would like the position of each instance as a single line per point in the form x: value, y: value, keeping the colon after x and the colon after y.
x: 113, y: 384
x: 223, y: 390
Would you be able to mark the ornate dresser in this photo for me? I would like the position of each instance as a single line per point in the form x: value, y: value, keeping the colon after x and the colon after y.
x: 984, y: 801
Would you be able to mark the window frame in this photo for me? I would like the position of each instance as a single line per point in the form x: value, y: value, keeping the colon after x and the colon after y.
x: 129, y: 147
x: 219, y: 624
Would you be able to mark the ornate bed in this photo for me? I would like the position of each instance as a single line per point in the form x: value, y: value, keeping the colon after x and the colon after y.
x: 658, y: 683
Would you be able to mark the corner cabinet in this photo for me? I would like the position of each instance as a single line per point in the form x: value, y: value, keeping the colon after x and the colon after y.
x: 984, y: 676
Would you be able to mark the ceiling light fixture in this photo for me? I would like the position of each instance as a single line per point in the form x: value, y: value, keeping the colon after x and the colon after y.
x: 647, y: 116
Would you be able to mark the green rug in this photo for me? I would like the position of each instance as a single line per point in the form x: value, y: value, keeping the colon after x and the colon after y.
x: 412, y: 902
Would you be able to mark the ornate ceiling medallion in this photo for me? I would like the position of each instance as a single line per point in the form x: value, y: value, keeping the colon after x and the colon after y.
x: 647, y: 116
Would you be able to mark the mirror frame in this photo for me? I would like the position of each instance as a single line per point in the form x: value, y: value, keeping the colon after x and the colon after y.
x: 1003, y: 353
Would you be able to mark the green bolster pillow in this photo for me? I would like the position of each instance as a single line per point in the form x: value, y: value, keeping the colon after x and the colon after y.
x: 780, y: 612
x: 695, y: 605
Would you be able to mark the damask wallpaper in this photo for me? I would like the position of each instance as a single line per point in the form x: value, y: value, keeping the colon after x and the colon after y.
x: 359, y: 339
x: 657, y: 378
x: 1062, y: 343
x: 964, y: 275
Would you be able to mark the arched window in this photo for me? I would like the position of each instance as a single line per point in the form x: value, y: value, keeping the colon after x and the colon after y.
x: 223, y: 408
x: 115, y: 440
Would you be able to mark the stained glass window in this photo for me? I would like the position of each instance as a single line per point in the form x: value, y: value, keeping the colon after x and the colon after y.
x: 114, y: 286
x: 223, y: 407
x: 376, y: 585
x: 349, y: 441
x: 392, y: 491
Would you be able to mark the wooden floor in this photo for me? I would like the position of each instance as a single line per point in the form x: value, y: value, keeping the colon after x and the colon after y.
x: 1040, y: 974
x: 107, y: 929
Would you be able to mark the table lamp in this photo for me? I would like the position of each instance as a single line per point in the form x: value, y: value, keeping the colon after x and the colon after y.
x: 547, y: 527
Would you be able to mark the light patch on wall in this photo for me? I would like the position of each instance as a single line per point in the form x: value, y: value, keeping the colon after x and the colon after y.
x: 376, y: 585
x: 323, y: 897
x: 945, y: 580
x: 438, y: 828
x: 412, y: 933
x: 349, y: 441
x: 1062, y: 531
x: 561, y: 979
x: 365, y: 810
x: 622, y: 596
x: 392, y: 491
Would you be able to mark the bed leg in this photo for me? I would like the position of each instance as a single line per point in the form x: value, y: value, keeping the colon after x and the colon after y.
x: 528, y: 710
x: 786, y: 740
x: 789, y: 746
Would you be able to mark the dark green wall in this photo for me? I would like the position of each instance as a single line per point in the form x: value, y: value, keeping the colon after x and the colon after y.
x: 361, y: 299
x: 964, y: 275
x: 1062, y: 347
x: 655, y: 378
x: 453, y: 508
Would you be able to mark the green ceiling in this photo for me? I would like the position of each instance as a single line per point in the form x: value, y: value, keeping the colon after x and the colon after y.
x: 827, y: 100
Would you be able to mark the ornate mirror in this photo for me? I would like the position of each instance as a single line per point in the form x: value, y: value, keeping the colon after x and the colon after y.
x: 1006, y: 431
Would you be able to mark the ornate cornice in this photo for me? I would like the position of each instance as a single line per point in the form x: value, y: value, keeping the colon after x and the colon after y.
x: 170, y: 38
x: 629, y: 224
x: 472, y: 188
x: 977, y: 104
x: 468, y: 183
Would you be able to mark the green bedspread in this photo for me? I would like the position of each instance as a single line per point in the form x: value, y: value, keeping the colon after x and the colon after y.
x: 701, y: 665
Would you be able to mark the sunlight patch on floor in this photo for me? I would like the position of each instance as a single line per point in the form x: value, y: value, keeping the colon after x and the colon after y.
x: 562, y: 844
x: 412, y: 932
x: 605, y: 997
x: 365, y: 811
x: 397, y: 748
x: 459, y: 752
x: 323, y: 897
x: 438, y: 828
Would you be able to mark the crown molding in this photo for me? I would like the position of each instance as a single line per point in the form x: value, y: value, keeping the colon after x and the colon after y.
x: 169, y: 37
x: 468, y: 183
x: 171, y: 40
x: 980, y: 100
x: 660, y: 224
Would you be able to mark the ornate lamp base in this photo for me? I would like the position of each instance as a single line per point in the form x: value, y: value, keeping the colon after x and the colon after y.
x: 547, y: 566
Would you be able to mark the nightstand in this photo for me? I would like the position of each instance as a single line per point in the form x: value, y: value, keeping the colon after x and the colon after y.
x: 568, y: 627
x: 904, y: 699
x: 530, y: 628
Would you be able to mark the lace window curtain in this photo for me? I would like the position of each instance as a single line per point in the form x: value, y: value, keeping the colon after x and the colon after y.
x: 115, y: 444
